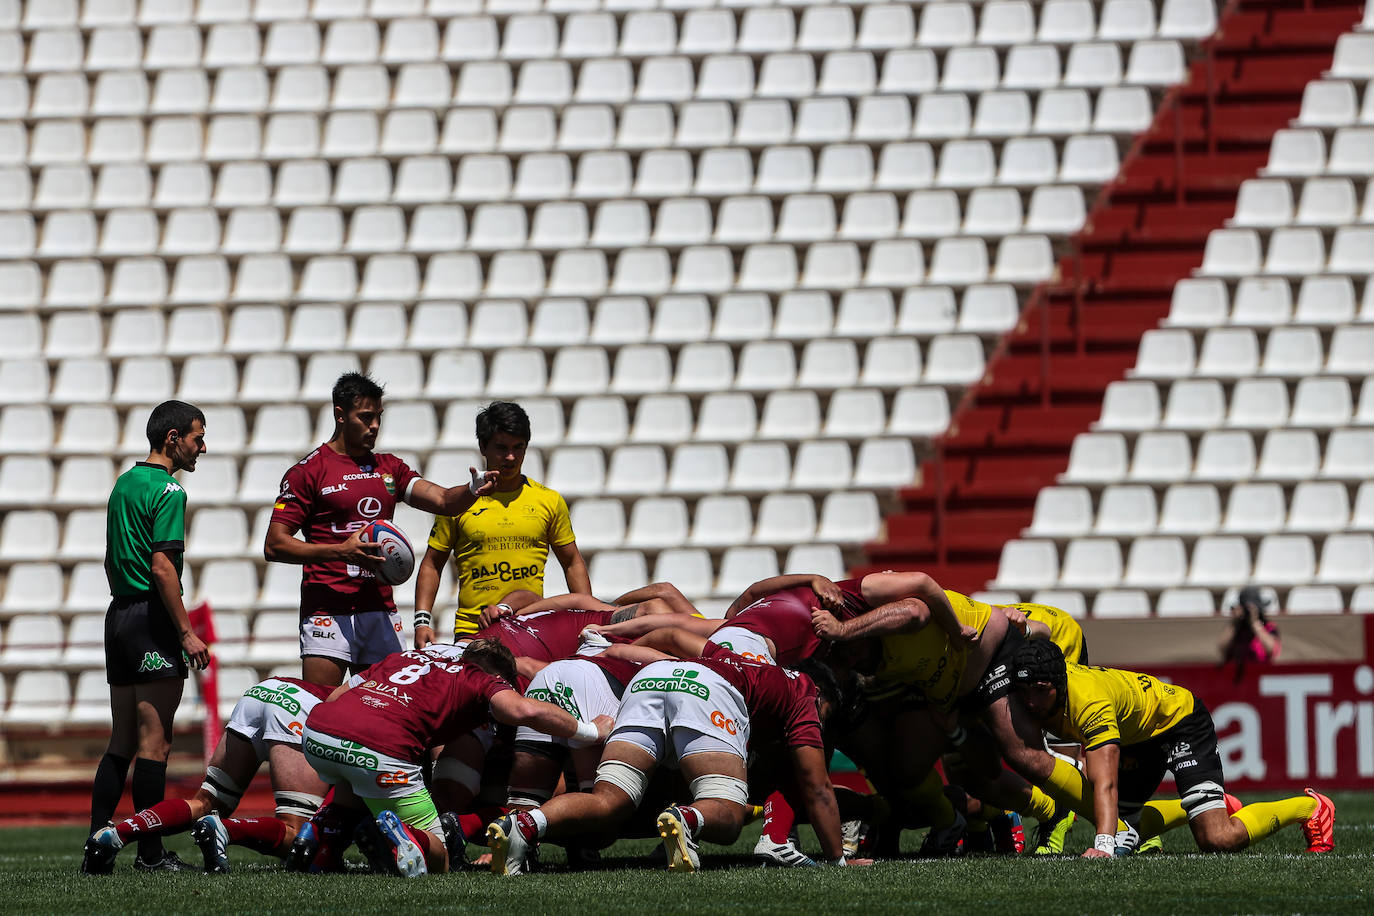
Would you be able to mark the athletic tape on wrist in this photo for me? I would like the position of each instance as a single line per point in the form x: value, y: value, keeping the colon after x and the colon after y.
x: 585, y: 734
x: 1105, y: 842
x: 423, y: 619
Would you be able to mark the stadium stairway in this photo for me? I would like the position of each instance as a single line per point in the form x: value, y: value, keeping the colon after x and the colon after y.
x: 1012, y: 432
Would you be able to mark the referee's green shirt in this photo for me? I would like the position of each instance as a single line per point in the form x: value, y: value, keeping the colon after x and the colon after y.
x: 146, y: 514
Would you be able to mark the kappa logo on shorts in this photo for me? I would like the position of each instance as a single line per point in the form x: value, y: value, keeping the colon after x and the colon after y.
x: 153, y: 661
x: 683, y: 680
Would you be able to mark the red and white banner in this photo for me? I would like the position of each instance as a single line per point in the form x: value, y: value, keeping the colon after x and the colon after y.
x: 1287, y: 726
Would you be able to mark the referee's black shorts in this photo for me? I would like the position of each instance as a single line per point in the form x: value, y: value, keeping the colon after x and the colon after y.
x: 141, y: 642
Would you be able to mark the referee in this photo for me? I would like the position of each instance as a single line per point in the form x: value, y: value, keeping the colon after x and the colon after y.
x: 148, y: 637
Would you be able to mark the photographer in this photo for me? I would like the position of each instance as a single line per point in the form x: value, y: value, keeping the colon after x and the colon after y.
x: 1252, y: 637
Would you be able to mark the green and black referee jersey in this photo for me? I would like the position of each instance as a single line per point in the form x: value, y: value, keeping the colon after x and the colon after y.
x: 146, y: 514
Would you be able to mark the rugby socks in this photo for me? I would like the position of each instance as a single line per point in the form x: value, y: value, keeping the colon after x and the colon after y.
x: 778, y: 818
x: 265, y: 835
x: 106, y: 789
x: 171, y: 816
x: 1041, y: 806
x: 691, y: 818
x: 474, y: 824
x: 531, y: 824
x: 420, y: 838
x: 1161, y: 816
x: 149, y: 787
x: 1264, y: 819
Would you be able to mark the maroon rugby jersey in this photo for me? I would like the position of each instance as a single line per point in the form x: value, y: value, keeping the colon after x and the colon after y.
x: 785, y: 618
x: 781, y: 703
x: 408, y: 702
x: 329, y: 496
x: 547, y: 635
x: 319, y: 691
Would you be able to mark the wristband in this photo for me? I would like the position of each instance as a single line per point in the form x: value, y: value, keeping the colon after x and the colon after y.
x: 423, y: 619
x: 1105, y: 842
x: 584, y: 734
x: 506, y: 607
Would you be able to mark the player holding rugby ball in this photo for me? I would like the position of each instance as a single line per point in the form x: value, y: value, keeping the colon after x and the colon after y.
x: 348, y: 618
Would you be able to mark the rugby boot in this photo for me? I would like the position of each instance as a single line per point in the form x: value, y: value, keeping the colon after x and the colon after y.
x: 1151, y: 846
x: 945, y: 842
x: 210, y: 835
x: 455, y: 841
x: 407, y: 859
x: 303, y: 848
x: 1051, y: 834
x: 1009, y: 834
x: 678, y: 841
x: 170, y: 861
x: 98, y: 856
x: 510, y: 847
x: 1319, y: 828
x: 766, y: 852
x: 852, y: 835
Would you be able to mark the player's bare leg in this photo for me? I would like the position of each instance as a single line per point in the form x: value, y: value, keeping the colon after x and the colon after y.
x: 1217, y: 831
x: 320, y: 669
x: 625, y: 769
x: 298, y: 791
x: 712, y: 817
x: 458, y: 774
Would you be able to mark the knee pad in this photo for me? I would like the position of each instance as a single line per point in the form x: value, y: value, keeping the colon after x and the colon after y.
x: 300, y: 804
x: 223, y: 789
x: 727, y: 788
x: 625, y: 778
x: 455, y: 770
x: 1203, y: 797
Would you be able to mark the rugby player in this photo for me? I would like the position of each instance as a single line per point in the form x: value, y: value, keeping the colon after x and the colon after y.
x: 265, y: 727
x: 1133, y: 728
x: 502, y: 542
x: 348, y: 617
x: 371, y: 743
x: 701, y: 713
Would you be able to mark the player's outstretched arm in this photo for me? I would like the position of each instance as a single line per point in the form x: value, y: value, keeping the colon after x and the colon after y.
x: 1102, y: 764
x: 677, y: 641
x: 510, y: 708
x: 636, y: 627
x: 902, y: 616
x: 879, y: 588
x: 666, y: 592
x: 819, y: 796
x: 437, y: 500
x: 765, y: 587
x: 573, y: 601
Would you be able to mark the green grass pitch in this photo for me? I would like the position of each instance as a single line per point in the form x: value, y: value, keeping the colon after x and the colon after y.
x: 38, y: 874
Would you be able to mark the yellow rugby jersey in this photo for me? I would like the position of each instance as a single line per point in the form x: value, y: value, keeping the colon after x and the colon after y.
x: 1111, y: 706
x: 1064, y: 630
x: 926, y: 659
x: 501, y: 544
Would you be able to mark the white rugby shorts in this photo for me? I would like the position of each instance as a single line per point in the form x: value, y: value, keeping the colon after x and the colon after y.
x: 359, y: 639
x: 575, y: 686
x: 745, y: 643
x: 371, y: 774
x: 271, y: 711
x: 682, y: 700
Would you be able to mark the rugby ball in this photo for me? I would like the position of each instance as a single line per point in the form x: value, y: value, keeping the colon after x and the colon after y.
x: 398, y: 557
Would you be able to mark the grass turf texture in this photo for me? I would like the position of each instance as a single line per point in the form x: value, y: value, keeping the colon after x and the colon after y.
x: 39, y: 868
